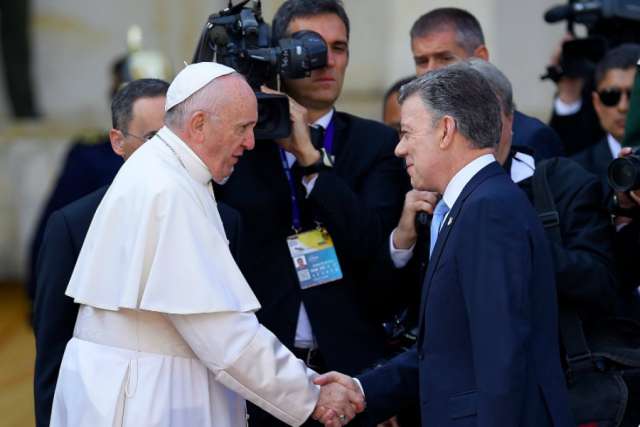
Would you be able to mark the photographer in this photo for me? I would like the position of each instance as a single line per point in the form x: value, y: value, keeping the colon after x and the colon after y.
x: 614, y: 77
x: 350, y: 185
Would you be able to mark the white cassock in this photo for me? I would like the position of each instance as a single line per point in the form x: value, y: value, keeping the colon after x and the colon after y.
x: 166, y: 334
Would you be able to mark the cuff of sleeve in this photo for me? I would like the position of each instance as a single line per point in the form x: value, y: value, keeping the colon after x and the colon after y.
x: 400, y: 257
x: 563, y: 109
x: 272, y: 378
x: 357, y: 381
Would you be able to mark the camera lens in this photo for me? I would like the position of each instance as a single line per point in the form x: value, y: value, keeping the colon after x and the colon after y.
x: 624, y: 173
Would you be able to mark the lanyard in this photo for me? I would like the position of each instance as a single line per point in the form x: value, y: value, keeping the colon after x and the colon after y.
x: 295, y: 207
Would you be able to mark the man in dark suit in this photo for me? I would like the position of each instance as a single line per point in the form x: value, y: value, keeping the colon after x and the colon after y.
x: 487, y: 351
x: 137, y: 112
x: 350, y: 184
x: 447, y: 35
x: 614, y: 76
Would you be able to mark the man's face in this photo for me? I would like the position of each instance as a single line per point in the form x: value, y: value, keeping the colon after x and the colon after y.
x: 436, y: 49
x: 323, y: 87
x: 228, y: 134
x: 391, y: 113
x: 147, y: 118
x: 614, y: 117
x: 418, y: 144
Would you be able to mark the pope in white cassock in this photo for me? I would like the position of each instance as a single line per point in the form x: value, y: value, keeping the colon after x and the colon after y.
x: 166, y: 334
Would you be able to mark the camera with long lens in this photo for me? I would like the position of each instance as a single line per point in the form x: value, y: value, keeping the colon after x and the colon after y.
x: 609, y: 23
x: 624, y: 172
x: 239, y: 38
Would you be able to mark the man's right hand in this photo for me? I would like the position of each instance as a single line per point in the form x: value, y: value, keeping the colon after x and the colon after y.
x: 405, y: 234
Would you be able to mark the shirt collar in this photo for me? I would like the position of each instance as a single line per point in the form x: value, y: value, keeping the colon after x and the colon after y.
x: 462, y: 178
x: 324, y: 120
x: 614, y: 146
x: 522, y: 167
x: 186, y: 157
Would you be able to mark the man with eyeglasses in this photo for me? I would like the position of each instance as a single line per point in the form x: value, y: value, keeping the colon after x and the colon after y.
x: 613, y: 77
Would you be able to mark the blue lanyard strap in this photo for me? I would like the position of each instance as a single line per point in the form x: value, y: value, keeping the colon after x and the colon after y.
x: 295, y: 207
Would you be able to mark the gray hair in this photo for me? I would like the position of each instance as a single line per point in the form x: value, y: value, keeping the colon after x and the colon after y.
x: 498, y: 82
x: 460, y: 92
x: 468, y: 30
x: 206, y: 98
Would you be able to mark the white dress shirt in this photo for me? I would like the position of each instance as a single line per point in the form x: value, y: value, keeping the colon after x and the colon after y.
x: 304, y: 334
x: 614, y: 146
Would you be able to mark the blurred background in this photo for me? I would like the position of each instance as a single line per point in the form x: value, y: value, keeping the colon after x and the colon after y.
x: 72, y: 46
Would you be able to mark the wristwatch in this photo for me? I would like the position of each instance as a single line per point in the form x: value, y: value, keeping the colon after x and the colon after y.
x: 325, y: 162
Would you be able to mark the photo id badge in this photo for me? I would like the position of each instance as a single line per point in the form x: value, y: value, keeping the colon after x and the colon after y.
x: 314, y: 258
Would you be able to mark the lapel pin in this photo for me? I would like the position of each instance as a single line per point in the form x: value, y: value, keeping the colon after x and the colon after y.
x: 450, y: 221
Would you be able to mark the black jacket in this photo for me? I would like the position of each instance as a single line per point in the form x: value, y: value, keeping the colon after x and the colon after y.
x: 585, y: 270
x: 596, y: 159
x: 55, y: 314
x: 531, y: 132
x: 359, y: 202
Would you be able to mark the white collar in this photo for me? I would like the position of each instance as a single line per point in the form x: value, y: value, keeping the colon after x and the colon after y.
x: 522, y: 167
x: 614, y: 146
x: 324, y: 120
x: 462, y: 178
x: 185, y: 155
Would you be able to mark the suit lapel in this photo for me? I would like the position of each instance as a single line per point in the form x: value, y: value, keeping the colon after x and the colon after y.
x: 488, y: 171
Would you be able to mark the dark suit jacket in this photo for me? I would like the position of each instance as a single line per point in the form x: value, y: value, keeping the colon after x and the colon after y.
x: 531, y: 132
x: 580, y: 130
x: 359, y: 202
x: 584, y: 265
x: 487, y: 352
x: 596, y: 159
x: 88, y: 167
x: 55, y: 313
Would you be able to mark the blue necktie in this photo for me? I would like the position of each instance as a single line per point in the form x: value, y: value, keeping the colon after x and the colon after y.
x: 439, y: 213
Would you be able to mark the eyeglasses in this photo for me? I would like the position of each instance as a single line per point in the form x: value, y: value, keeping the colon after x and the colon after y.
x: 611, y: 97
x: 144, y: 138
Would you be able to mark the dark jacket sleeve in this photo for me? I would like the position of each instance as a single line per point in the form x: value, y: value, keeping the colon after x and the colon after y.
x: 585, y: 272
x: 54, y: 313
x: 390, y: 388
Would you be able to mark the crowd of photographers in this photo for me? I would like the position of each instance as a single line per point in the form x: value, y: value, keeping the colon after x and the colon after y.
x: 341, y: 179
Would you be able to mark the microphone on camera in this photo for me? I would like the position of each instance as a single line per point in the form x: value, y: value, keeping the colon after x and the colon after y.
x: 560, y: 13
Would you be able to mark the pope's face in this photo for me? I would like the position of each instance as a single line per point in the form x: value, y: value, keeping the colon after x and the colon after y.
x: 230, y: 132
x: 323, y: 87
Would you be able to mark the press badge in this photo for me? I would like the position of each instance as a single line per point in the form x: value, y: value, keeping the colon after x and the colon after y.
x: 314, y: 258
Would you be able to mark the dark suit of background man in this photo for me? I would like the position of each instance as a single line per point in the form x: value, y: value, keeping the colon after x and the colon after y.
x: 447, y: 35
x: 487, y: 351
x: 336, y: 325
x: 138, y: 112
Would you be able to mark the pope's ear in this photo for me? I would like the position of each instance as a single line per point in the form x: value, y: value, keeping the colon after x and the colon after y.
x: 117, y: 141
x: 195, y: 124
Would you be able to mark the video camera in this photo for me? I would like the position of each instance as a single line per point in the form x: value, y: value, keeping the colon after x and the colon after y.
x: 239, y: 38
x: 609, y: 23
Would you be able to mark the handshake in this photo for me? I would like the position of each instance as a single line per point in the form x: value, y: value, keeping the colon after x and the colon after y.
x: 340, y: 399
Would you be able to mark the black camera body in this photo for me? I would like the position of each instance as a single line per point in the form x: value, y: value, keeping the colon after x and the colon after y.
x: 609, y: 23
x: 239, y: 38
